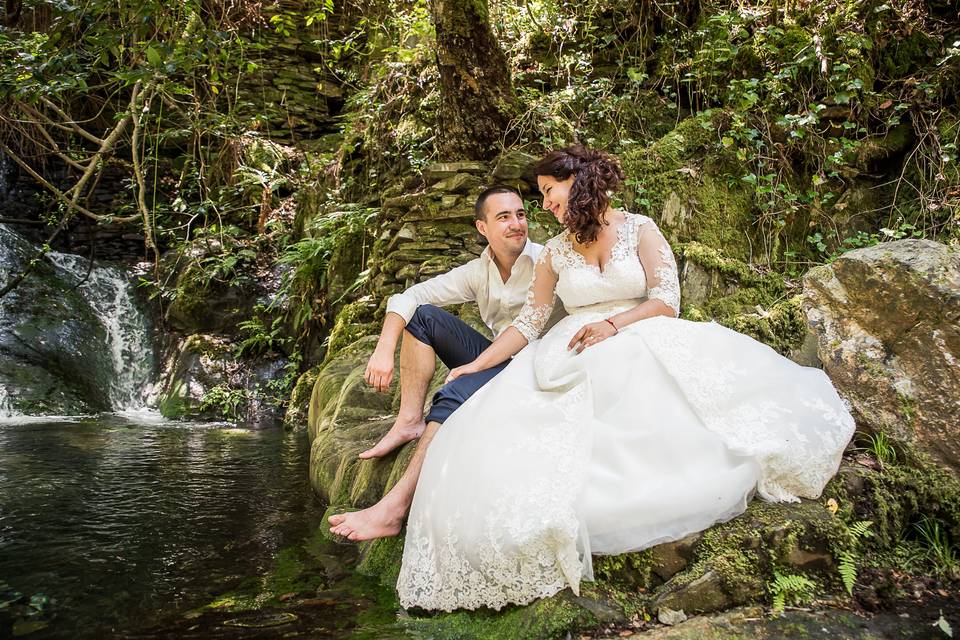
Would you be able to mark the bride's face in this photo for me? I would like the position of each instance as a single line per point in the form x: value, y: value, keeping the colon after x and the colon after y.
x: 555, y: 194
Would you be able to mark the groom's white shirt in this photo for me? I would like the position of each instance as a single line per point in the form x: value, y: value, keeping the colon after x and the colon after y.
x: 478, y: 280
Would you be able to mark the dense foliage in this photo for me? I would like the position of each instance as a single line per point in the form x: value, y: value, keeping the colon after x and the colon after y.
x: 839, y: 119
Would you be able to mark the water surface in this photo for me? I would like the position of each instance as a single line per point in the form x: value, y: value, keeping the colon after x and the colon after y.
x: 123, y: 520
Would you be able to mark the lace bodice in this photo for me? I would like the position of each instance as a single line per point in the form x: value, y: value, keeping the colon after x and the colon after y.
x: 641, y: 266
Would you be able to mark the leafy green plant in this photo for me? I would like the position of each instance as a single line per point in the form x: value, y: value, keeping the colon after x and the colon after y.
x: 938, y: 548
x: 849, y: 558
x: 792, y: 589
x: 224, y: 400
x: 880, y: 445
x: 261, y: 338
x: 303, y: 286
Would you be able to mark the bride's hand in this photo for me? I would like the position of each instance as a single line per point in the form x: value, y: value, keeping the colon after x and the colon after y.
x: 461, y: 371
x: 591, y: 334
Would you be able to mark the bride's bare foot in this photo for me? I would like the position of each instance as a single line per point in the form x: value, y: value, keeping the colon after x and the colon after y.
x: 402, y: 432
x: 382, y: 520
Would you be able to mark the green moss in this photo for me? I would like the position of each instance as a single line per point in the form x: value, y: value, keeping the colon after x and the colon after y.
x: 353, y: 322
x: 381, y: 559
x: 902, y: 494
x: 747, y: 552
x: 555, y: 617
x: 298, y: 407
x: 709, y: 257
x: 681, y: 180
x: 743, y: 298
x: 173, y: 404
x: 784, y: 327
x: 902, y: 56
x: 631, y: 570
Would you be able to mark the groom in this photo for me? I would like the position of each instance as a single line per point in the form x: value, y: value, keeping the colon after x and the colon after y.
x: 497, y: 281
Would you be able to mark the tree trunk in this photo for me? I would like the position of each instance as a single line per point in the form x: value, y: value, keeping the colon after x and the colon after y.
x: 477, y: 93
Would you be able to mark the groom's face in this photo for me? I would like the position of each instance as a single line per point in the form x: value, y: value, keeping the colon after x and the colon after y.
x: 504, y: 224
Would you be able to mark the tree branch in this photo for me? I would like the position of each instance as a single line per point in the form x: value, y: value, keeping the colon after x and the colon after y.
x: 72, y: 123
x: 71, y: 204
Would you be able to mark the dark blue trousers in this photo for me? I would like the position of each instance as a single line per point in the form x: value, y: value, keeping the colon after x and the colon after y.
x: 456, y: 344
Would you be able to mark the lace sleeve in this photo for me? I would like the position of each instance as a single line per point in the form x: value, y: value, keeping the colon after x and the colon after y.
x: 541, y: 298
x: 659, y: 264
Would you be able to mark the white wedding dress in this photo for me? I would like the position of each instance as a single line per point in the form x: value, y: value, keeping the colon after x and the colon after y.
x: 657, y: 432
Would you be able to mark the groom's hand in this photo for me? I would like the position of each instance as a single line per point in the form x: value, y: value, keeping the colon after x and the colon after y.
x: 379, y: 371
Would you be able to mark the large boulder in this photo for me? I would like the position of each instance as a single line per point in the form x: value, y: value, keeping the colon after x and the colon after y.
x: 205, y: 379
x: 214, y: 291
x: 52, y: 355
x: 887, y: 321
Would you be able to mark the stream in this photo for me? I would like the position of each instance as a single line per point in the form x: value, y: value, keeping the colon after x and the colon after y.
x: 119, y: 521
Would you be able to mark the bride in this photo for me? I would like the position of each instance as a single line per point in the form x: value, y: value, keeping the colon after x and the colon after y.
x: 621, y: 428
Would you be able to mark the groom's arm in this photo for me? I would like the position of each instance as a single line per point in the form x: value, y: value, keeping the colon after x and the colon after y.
x: 454, y: 287
x: 379, y: 372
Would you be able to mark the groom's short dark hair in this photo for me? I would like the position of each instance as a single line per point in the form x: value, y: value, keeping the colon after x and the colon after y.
x: 478, y: 209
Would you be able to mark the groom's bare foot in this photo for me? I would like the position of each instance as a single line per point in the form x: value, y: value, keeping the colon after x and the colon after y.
x: 379, y: 521
x: 402, y: 432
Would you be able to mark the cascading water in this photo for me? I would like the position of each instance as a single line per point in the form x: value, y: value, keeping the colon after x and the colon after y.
x: 107, y: 289
x: 4, y: 176
x: 6, y: 411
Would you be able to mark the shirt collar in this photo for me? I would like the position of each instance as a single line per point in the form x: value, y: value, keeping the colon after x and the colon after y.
x: 530, y: 250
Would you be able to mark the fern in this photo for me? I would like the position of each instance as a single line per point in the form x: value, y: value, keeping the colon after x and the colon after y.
x: 861, y: 529
x: 848, y: 559
x: 847, y: 568
x: 792, y: 588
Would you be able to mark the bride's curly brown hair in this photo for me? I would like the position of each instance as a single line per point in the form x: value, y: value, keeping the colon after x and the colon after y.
x: 596, y: 173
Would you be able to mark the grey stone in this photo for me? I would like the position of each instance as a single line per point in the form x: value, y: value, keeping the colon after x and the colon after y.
x: 440, y: 170
x: 670, y: 617
x: 887, y: 321
x: 670, y: 558
x: 462, y: 183
x: 513, y: 165
x: 702, y: 595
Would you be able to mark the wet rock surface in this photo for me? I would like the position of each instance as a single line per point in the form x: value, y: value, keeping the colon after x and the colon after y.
x: 52, y: 359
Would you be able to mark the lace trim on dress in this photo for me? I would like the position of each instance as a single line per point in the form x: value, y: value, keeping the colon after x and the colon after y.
x: 667, y: 289
x: 569, y: 256
x: 790, y: 447
x: 666, y: 281
x: 527, y: 547
x: 533, y: 317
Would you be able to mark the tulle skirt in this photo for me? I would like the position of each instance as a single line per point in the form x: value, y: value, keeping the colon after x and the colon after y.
x: 657, y: 432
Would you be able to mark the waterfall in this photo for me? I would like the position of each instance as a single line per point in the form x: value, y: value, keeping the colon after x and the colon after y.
x: 4, y: 188
x: 108, y: 291
x: 6, y: 411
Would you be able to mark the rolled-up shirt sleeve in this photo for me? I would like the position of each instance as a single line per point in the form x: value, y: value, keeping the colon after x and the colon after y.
x: 457, y: 286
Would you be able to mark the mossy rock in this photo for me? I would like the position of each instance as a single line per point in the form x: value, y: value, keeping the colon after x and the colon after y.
x: 733, y: 562
x: 744, y: 298
x: 204, y: 304
x: 687, y: 183
x: 200, y: 364
x: 354, y: 321
x: 52, y: 355
x: 346, y: 416
x: 885, y: 319
x: 556, y: 617
x: 898, y: 495
x: 295, y: 417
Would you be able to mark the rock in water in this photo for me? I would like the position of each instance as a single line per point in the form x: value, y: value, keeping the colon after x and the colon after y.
x: 52, y: 356
x: 887, y: 321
